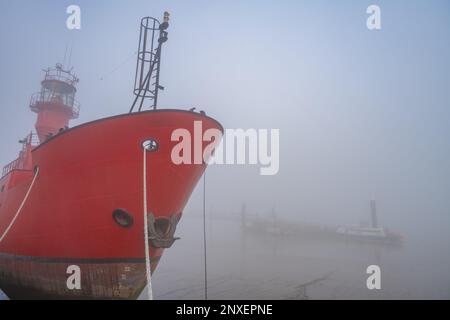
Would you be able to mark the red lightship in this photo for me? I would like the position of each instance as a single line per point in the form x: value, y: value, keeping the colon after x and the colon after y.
x: 77, y: 196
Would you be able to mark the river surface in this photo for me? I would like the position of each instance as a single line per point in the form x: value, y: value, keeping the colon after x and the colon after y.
x: 262, y: 266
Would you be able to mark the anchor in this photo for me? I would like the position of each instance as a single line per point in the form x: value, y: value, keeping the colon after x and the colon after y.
x: 161, y: 230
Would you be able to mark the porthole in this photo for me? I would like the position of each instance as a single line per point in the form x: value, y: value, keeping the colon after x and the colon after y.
x: 122, y: 218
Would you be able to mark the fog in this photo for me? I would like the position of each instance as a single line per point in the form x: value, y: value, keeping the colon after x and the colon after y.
x: 362, y: 115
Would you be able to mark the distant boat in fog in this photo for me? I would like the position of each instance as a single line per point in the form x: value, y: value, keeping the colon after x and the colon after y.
x: 371, y: 233
x: 276, y: 227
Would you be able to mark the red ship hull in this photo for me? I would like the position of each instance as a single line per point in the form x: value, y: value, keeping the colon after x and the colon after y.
x: 84, y: 175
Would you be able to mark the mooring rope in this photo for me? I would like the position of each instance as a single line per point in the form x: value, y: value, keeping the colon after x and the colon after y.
x: 147, y: 248
x: 21, y: 205
x: 204, y: 234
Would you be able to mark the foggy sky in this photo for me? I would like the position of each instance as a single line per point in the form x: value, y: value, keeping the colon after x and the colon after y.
x: 361, y: 113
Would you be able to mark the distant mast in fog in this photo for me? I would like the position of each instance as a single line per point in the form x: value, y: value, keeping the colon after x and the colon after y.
x: 373, y: 213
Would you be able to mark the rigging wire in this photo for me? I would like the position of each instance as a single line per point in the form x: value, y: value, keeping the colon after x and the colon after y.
x: 204, y: 235
x: 121, y: 64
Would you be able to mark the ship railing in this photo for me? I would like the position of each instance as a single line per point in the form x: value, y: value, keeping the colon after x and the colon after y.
x: 39, y: 98
x: 33, y: 139
x: 60, y: 75
x: 66, y: 79
x: 10, y: 167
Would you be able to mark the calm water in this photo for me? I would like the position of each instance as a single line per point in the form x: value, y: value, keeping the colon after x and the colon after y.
x: 266, y: 267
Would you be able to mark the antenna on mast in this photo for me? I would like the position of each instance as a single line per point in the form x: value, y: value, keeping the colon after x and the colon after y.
x: 65, y: 54
x: 146, y: 83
